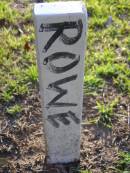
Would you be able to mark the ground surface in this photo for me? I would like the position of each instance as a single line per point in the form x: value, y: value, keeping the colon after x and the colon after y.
x: 105, y: 138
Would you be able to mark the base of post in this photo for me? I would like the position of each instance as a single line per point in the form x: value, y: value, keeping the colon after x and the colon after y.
x: 73, y: 167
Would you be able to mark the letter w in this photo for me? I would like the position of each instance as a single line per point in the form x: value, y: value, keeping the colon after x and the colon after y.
x: 55, y: 87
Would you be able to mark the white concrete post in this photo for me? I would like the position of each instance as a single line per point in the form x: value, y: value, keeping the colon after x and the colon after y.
x: 61, y: 34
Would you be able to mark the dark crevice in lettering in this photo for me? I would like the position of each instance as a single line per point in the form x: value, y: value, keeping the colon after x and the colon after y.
x: 73, y: 117
x: 54, y: 26
x: 55, y: 87
x: 62, y: 117
x: 61, y: 55
x: 71, y: 40
x: 52, y: 39
x: 59, y: 32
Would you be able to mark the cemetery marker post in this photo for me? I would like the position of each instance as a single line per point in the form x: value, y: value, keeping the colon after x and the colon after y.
x: 60, y: 40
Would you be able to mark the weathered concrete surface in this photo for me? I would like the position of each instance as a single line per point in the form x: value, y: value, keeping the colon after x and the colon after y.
x: 61, y: 34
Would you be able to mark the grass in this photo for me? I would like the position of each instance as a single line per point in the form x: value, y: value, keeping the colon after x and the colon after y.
x: 109, y: 59
x: 106, y: 112
x: 14, y: 110
x: 124, y: 162
x: 107, y: 56
x: 18, y: 68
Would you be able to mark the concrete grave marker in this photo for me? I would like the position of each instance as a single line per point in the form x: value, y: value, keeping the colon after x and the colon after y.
x: 61, y: 34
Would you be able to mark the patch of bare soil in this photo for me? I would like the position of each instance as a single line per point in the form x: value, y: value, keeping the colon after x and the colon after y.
x: 22, y: 147
x: 21, y: 138
x: 100, y: 146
